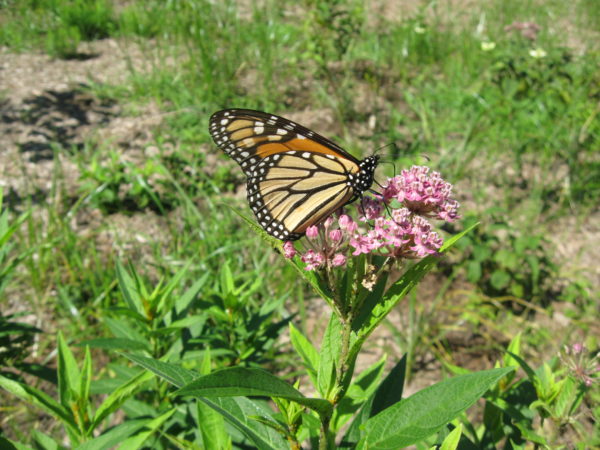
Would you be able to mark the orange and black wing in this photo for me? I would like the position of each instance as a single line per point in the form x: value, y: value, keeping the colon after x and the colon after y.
x: 296, y: 178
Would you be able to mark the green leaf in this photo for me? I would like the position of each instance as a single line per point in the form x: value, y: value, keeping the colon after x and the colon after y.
x: 242, y: 413
x: 122, y: 330
x: 69, y: 378
x: 329, y: 356
x: 172, y: 373
x: 36, y: 397
x: 44, y: 441
x: 387, y: 394
x: 86, y: 380
x: 308, y: 353
x: 114, y: 436
x: 427, y: 411
x: 184, y: 301
x: 242, y: 381
x: 118, y: 397
x: 130, y: 290
x: 210, y: 422
x: 359, y: 391
x: 474, y: 271
x: 166, y: 298
x: 499, y: 279
x: 452, y: 440
x: 7, y: 444
x: 153, y: 426
x: 565, y: 397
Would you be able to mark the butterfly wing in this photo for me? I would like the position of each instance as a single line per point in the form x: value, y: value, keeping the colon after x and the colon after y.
x: 296, y: 178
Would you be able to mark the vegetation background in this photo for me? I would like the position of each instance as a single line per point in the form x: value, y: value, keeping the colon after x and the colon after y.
x: 105, y: 158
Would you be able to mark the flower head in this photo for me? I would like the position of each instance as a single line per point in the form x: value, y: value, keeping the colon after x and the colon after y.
x: 423, y: 193
x: 580, y: 363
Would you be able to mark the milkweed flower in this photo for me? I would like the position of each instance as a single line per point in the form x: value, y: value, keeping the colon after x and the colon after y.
x: 396, y: 223
x: 424, y: 193
x: 581, y: 364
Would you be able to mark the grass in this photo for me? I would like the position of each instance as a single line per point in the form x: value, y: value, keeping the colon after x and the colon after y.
x: 517, y: 134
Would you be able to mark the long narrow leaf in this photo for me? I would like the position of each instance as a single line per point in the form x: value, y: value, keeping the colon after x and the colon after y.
x: 69, y: 377
x: 241, y: 413
x: 170, y: 372
x: 427, y: 411
x: 241, y: 381
x: 136, y: 441
x: 129, y: 289
x: 118, y: 397
x: 211, y: 422
x: 114, y: 436
x: 307, y: 352
x: 36, y: 397
x: 388, y: 393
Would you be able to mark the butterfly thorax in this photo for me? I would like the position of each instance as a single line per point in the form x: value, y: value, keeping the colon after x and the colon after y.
x: 363, y: 180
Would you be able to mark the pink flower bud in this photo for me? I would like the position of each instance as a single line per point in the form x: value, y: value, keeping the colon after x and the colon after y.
x: 288, y: 250
x: 312, y: 232
x: 338, y: 260
x: 335, y: 235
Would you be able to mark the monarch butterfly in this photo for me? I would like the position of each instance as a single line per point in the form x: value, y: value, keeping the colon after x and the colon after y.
x: 296, y: 178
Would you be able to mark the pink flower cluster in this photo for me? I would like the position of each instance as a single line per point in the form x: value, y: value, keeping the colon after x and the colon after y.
x: 398, y: 230
x: 423, y: 193
x: 326, y: 243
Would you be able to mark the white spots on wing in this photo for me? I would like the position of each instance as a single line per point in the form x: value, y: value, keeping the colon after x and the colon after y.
x: 306, y: 155
x: 329, y: 156
x: 259, y: 129
x: 224, y: 121
x: 245, y: 154
x: 281, y: 131
x: 276, y: 157
x: 301, y: 136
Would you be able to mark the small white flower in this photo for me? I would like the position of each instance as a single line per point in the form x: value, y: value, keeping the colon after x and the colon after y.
x: 488, y: 46
x: 420, y: 29
x: 537, y: 53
